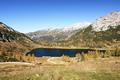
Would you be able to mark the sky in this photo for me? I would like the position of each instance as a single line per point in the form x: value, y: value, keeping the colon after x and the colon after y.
x: 31, y: 15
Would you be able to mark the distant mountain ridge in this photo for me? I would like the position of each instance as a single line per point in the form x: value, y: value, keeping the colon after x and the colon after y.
x: 57, y: 34
x: 76, y: 26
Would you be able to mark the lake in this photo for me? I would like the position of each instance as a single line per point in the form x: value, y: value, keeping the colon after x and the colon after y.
x: 57, y: 52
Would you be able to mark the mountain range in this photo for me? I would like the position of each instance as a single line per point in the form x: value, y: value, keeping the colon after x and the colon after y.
x: 100, y: 29
x: 57, y: 34
x: 104, y: 32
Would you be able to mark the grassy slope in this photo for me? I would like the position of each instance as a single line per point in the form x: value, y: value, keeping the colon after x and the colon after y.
x: 89, y: 38
x: 104, y: 69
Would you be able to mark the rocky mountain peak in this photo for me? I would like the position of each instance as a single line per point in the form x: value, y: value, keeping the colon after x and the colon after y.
x: 103, y: 23
x: 5, y: 27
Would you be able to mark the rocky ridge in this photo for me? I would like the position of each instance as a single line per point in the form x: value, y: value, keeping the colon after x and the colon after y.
x: 103, y: 23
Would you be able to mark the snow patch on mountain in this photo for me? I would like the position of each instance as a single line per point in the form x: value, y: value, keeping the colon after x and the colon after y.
x: 103, y: 23
x: 76, y: 26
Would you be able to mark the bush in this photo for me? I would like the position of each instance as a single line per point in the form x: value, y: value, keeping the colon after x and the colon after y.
x: 66, y: 58
x: 6, y: 58
x: 78, y: 57
x: 93, y: 54
x: 116, y: 52
x: 106, y: 54
x: 3, y: 58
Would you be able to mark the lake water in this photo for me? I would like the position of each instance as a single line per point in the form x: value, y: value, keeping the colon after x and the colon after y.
x: 57, y: 52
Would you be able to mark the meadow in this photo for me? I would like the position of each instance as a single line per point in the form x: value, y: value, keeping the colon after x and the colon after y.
x: 89, y: 69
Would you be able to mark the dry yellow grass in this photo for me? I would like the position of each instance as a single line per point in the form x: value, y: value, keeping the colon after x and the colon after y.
x: 99, y: 69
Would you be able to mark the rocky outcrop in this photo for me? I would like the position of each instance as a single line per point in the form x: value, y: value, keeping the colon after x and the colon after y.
x: 5, y: 33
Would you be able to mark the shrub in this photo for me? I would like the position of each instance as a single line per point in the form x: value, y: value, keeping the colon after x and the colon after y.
x: 116, y: 52
x: 66, y: 58
x: 106, y: 54
x: 7, y: 59
x: 78, y: 57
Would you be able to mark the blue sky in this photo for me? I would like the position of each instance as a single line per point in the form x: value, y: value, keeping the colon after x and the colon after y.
x: 31, y: 15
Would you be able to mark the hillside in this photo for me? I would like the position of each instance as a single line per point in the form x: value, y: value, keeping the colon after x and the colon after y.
x: 104, y: 32
x: 103, y: 23
x: 13, y: 42
x: 90, y: 38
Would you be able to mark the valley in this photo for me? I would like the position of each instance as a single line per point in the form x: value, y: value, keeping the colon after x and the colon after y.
x: 84, y: 51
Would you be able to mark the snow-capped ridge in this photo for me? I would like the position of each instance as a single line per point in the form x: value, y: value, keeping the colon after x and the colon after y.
x: 76, y: 26
x: 103, y: 23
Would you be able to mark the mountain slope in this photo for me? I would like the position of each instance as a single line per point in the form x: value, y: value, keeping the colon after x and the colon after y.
x: 103, y: 23
x: 90, y: 38
x: 105, y: 32
x: 13, y: 42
